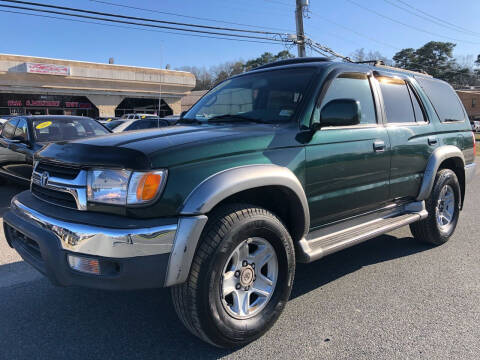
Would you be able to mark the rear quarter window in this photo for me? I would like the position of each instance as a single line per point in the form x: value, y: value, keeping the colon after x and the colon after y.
x: 444, y: 99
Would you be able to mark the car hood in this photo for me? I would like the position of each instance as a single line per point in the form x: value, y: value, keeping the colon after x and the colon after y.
x: 170, y: 146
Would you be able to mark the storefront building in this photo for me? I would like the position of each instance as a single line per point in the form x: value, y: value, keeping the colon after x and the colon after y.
x: 41, y: 86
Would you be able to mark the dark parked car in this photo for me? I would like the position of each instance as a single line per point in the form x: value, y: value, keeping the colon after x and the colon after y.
x: 287, y: 163
x: 22, y: 136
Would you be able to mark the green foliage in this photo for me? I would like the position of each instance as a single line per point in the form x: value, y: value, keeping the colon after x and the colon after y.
x: 436, y: 58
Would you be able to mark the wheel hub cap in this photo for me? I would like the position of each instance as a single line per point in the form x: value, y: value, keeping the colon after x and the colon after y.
x: 246, y: 276
x: 445, y: 209
x: 249, y: 278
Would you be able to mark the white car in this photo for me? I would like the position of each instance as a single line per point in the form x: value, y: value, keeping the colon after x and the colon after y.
x: 140, y: 124
x: 475, y: 125
x: 137, y: 116
x: 2, y: 121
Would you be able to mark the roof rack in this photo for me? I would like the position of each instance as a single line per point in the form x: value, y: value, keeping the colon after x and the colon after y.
x: 381, y: 63
x: 293, y: 61
x: 373, y: 62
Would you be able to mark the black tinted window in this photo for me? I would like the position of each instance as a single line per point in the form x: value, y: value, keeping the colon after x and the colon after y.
x: 417, y: 108
x: 354, y: 86
x: 396, y: 100
x: 9, y: 128
x: 444, y: 99
x: 21, y: 132
x: 143, y: 124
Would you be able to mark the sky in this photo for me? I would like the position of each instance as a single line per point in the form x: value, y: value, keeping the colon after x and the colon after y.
x: 339, y: 24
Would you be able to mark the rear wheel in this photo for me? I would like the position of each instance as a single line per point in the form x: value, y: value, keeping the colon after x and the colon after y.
x: 443, y: 208
x: 241, y: 277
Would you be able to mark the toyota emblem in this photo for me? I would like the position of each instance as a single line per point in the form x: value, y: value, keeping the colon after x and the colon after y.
x: 44, y: 178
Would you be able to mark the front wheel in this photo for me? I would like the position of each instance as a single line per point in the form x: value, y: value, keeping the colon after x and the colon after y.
x: 241, y: 277
x: 443, y: 208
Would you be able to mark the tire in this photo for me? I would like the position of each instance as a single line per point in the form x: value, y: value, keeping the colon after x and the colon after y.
x: 434, y: 230
x: 199, y: 303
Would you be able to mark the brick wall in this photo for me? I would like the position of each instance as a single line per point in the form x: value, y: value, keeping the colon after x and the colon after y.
x: 471, y: 101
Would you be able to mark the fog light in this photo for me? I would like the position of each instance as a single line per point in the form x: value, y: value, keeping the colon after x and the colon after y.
x: 82, y: 264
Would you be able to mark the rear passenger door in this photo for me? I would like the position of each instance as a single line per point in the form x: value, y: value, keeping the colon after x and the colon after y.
x: 348, y: 167
x: 412, y: 136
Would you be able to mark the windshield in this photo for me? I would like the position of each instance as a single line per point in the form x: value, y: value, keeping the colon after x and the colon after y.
x: 55, y: 129
x: 271, y: 96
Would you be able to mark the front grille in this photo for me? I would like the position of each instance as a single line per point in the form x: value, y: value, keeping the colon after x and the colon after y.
x: 59, y: 171
x: 54, y: 197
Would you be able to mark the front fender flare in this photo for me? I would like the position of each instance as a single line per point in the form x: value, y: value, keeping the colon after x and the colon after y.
x: 226, y: 183
x: 211, y: 192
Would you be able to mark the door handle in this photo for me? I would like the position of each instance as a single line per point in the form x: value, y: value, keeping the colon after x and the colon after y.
x: 379, y: 145
x: 432, y: 140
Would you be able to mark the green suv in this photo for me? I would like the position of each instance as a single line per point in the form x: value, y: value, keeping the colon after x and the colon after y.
x: 287, y: 163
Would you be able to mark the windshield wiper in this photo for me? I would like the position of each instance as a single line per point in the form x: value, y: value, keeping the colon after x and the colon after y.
x: 189, y: 121
x: 234, y: 118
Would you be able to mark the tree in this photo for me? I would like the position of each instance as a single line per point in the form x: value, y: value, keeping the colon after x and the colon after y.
x: 206, y: 79
x: 267, y: 58
x: 435, y: 58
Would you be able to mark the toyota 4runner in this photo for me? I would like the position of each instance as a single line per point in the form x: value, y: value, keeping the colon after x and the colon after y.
x: 287, y: 163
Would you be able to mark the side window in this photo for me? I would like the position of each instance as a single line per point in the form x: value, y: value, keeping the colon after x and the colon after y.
x: 9, y: 129
x: 351, y: 86
x: 397, y: 101
x: 21, y: 132
x: 417, y: 108
x: 444, y: 99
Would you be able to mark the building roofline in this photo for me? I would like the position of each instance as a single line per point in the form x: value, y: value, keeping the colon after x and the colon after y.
x: 93, y: 63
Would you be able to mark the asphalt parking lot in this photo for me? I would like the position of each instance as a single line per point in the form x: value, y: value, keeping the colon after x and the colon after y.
x: 389, y: 298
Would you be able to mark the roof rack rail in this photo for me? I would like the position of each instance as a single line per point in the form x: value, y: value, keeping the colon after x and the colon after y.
x: 373, y: 62
x: 381, y: 63
x: 293, y: 61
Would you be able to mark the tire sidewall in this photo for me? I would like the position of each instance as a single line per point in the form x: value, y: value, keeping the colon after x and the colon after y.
x: 219, y: 322
x: 445, y: 177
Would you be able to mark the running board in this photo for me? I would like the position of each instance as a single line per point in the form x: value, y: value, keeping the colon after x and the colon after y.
x: 313, y: 248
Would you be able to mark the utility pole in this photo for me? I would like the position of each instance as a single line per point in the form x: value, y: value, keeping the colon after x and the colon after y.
x: 299, y: 22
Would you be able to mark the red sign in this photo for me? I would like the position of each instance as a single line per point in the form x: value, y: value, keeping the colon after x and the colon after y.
x: 49, y: 69
x: 44, y: 103
x: 14, y: 103
x: 77, y: 105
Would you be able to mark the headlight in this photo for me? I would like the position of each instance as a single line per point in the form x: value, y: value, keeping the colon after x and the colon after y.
x: 123, y: 187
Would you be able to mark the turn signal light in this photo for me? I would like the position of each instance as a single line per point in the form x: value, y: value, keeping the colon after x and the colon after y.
x: 148, y: 186
x: 83, y: 264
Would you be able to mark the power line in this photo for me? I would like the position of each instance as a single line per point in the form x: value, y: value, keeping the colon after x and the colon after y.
x: 408, y: 25
x: 279, y: 3
x: 183, y: 16
x: 138, y: 24
x: 354, y: 31
x: 135, y: 28
x: 139, y: 18
x: 437, y: 18
x: 430, y: 19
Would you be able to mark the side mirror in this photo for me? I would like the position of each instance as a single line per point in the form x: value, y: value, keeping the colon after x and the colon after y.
x: 182, y: 114
x: 340, y: 112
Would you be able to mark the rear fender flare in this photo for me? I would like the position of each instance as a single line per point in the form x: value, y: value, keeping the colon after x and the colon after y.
x: 438, y: 156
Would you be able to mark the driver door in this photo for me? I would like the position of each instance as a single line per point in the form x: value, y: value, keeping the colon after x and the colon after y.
x: 16, y: 153
x: 348, y: 167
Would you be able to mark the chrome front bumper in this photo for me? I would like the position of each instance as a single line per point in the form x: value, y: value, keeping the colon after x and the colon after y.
x: 101, y: 241
x: 470, y: 171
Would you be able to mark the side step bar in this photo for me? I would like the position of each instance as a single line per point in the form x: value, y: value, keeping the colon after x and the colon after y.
x: 314, y: 248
